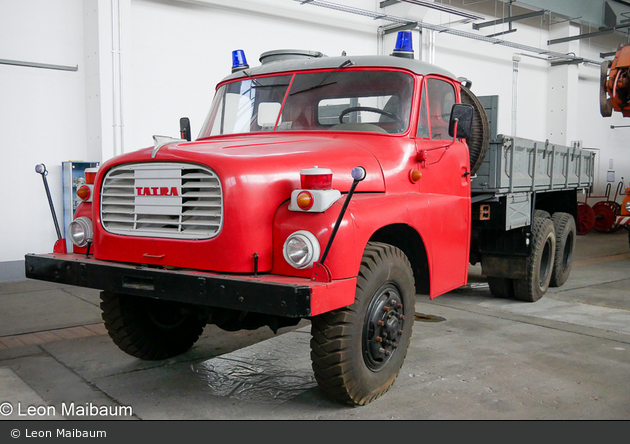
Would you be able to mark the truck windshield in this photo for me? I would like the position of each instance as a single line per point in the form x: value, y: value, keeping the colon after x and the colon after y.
x: 336, y: 100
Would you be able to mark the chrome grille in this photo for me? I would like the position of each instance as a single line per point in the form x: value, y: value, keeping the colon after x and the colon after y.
x: 170, y: 200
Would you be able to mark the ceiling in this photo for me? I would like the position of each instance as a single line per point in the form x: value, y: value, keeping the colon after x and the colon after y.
x: 596, y: 17
x: 598, y: 13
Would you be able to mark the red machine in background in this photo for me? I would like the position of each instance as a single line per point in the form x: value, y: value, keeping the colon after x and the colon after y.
x: 623, y: 220
x: 604, y: 215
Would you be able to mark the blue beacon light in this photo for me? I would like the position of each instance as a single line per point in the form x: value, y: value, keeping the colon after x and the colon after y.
x: 239, y: 62
x: 404, y: 45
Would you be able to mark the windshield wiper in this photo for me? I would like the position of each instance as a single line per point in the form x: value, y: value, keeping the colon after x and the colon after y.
x: 257, y: 84
x: 321, y: 83
x: 254, y: 81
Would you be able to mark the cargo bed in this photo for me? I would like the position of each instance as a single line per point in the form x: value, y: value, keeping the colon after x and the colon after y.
x: 517, y: 165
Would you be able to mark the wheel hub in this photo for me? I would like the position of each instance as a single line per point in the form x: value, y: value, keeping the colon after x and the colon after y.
x: 545, y: 263
x: 165, y: 316
x: 383, y: 327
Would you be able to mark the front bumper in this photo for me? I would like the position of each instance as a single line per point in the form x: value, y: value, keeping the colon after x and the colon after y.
x: 269, y: 294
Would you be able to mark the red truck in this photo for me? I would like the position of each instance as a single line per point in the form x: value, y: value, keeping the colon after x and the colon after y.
x: 328, y: 188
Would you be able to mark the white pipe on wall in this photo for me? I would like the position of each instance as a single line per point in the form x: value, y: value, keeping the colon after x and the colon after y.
x: 380, y: 33
x: 515, y: 59
x: 117, y: 78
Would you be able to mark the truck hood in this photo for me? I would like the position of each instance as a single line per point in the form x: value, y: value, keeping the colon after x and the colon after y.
x: 264, y: 159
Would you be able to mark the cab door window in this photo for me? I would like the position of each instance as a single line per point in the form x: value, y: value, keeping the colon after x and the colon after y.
x: 438, y: 97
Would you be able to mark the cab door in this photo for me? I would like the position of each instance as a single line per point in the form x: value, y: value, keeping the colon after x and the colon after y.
x: 444, y: 187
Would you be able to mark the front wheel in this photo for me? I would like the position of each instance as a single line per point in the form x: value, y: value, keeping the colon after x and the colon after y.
x: 151, y: 329
x: 357, y: 351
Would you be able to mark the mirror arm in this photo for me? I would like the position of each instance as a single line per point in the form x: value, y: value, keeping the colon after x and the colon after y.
x: 448, y: 145
x: 456, y: 120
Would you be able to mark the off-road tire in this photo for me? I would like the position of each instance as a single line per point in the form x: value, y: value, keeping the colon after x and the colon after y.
x: 566, y: 234
x: 151, y: 329
x: 539, y: 263
x: 346, y: 343
x: 479, y: 139
x: 501, y: 287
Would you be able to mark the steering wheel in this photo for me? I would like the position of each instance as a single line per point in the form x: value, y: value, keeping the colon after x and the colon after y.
x: 374, y: 110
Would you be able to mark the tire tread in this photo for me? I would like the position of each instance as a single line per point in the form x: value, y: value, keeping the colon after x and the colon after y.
x: 565, y: 228
x: 333, y: 338
x: 135, y: 339
x: 527, y: 289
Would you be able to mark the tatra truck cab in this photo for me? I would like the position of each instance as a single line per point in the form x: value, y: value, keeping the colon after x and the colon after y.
x: 328, y: 188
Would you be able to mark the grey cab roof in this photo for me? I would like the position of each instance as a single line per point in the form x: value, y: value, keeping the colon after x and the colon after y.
x: 324, y: 62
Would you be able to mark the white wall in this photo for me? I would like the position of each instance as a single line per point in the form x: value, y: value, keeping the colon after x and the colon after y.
x: 173, y: 52
x: 181, y: 50
x: 490, y: 68
x: 42, y: 116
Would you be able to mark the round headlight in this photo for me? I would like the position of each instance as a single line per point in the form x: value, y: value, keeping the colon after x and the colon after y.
x: 80, y: 231
x: 627, y: 205
x: 301, y: 249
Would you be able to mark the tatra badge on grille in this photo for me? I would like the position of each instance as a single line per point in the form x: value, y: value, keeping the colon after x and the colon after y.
x: 159, y: 199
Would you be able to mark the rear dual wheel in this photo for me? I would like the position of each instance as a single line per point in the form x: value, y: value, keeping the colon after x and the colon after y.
x: 501, y: 287
x: 357, y: 351
x: 539, y: 265
x: 566, y: 234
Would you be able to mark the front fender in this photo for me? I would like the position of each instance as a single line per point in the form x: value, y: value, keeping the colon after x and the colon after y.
x: 441, y: 221
x: 365, y: 215
x: 342, y: 258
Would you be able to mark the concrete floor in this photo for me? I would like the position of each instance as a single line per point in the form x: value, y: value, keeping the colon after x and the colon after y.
x: 472, y: 356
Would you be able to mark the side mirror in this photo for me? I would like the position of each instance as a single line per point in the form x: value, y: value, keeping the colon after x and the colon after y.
x: 184, y: 128
x: 463, y: 114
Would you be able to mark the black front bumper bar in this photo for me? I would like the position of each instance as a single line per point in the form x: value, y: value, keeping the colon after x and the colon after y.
x: 240, y: 293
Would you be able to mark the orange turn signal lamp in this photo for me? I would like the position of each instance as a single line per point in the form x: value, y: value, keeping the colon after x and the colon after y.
x: 415, y: 175
x: 84, y: 192
x: 305, y: 200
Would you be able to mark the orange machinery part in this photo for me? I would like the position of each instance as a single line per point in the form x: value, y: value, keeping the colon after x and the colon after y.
x: 618, y: 82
